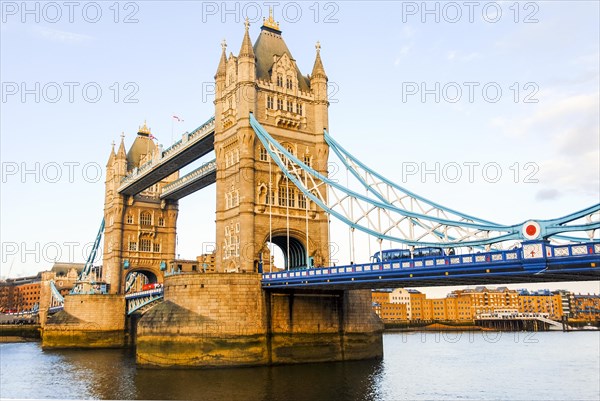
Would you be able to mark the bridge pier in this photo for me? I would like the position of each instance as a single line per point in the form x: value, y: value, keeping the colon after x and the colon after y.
x: 87, y: 321
x: 226, y: 319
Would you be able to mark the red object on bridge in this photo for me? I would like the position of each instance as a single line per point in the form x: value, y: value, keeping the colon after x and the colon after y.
x: 150, y: 286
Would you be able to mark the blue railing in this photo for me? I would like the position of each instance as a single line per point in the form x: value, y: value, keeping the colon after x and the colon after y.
x: 533, y: 257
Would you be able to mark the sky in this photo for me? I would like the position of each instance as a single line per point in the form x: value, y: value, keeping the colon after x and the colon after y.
x: 511, y: 85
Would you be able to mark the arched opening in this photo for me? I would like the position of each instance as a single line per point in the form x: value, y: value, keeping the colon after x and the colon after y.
x: 137, y: 280
x: 294, y: 258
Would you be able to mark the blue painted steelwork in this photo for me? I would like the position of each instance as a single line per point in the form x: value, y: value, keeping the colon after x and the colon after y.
x: 548, y: 227
x: 436, y: 225
x: 57, y: 301
x: 130, y: 281
x: 535, y: 261
x: 154, y: 170
x: 87, y: 269
x: 138, y: 300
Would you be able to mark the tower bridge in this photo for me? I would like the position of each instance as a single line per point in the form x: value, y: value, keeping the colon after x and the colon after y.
x: 270, y: 137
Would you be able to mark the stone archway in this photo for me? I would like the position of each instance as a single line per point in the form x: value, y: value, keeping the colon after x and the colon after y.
x: 296, y: 257
x: 135, y: 279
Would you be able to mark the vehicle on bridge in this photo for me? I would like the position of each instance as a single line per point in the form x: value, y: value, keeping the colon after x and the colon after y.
x: 151, y: 286
x: 396, y: 254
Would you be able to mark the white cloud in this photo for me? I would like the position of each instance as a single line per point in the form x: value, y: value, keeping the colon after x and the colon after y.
x: 570, y: 126
x: 55, y: 35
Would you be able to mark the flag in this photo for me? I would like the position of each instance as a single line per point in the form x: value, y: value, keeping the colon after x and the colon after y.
x: 178, y: 119
x: 152, y: 137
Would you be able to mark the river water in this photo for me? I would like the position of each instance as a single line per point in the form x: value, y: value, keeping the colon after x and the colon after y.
x: 416, y: 366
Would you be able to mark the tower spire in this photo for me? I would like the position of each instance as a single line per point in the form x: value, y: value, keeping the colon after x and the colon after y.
x: 318, y: 69
x: 121, y: 154
x: 246, y: 50
x: 270, y: 24
x: 112, y: 156
x: 221, y: 70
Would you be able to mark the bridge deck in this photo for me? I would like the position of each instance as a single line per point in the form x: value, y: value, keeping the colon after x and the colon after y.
x: 558, y: 263
x: 193, y: 146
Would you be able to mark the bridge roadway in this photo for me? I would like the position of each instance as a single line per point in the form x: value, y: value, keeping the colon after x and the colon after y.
x: 191, y: 147
x: 535, y: 262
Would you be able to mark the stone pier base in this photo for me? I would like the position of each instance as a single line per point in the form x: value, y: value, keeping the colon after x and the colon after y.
x: 87, y: 321
x: 226, y: 319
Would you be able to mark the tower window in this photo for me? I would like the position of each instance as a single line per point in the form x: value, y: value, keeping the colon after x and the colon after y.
x: 290, y: 106
x: 307, y: 160
x: 269, y: 102
x: 262, y: 153
x: 301, y: 201
x: 132, y: 246
x: 145, y: 245
x: 288, y: 83
x: 270, y: 199
x: 161, y: 221
x: 129, y: 219
x: 279, y: 104
x: 279, y: 80
x: 145, y: 219
x: 156, y: 247
x: 299, y: 108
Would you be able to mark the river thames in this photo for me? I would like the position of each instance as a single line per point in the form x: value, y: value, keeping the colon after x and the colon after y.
x: 416, y: 366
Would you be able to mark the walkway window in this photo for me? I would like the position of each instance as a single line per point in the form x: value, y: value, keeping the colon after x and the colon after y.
x: 145, y: 219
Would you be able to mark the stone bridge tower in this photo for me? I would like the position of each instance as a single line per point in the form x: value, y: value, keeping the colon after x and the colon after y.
x: 140, y: 230
x: 255, y: 201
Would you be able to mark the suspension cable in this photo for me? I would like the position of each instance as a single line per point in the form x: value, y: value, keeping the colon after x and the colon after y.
x: 270, y: 199
x: 287, y: 219
x: 306, y: 220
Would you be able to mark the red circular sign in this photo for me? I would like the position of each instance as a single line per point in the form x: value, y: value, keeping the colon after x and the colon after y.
x: 531, y: 230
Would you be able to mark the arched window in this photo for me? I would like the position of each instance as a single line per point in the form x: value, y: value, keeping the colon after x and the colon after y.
x: 279, y: 80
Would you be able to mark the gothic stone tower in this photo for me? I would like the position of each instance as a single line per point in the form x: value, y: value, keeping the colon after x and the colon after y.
x: 139, y: 233
x: 255, y: 201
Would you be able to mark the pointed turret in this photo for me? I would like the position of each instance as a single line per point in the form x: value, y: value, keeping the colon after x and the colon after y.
x: 221, y: 69
x: 246, y: 74
x: 121, y: 154
x: 318, y: 86
x: 111, y: 158
x: 246, y: 49
x: 318, y: 69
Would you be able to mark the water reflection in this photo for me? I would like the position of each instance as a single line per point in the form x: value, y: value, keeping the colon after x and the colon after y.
x: 464, y: 366
x: 332, y: 381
